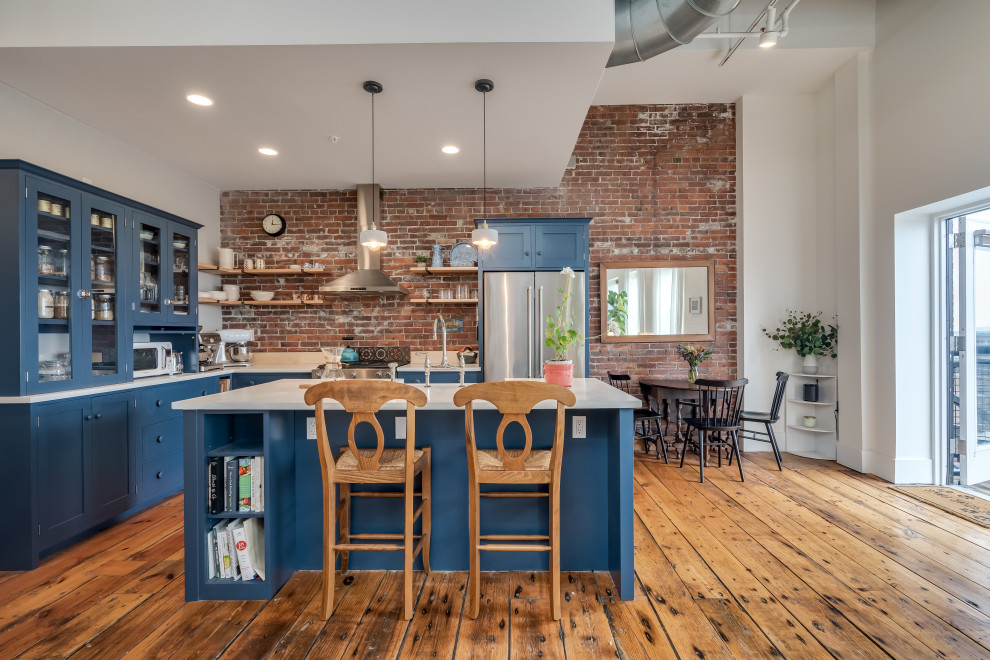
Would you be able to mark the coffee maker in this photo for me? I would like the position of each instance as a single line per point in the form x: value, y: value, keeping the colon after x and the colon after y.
x: 211, y: 351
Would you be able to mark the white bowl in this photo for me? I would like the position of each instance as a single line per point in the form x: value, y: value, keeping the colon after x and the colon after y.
x: 236, y: 335
x: 219, y: 295
x: 262, y: 296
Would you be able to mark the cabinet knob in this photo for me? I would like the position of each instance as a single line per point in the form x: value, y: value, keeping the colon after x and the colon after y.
x: 168, y: 302
x: 159, y: 475
x: 204, y: 393
x: 250, y: 382
x: 158, y: 403
x: 158, y: 439
x: 83, y: 293
x: 526, y: 253
x: 88, y: 417
x: 97, y: 415
x: 539, y: 253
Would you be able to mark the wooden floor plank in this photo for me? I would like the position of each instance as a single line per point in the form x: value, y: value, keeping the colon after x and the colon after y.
x: 634, y: 626
x: 432, y: 632
x: 532, y: 633
x: 337, y: 633
x: 857, y: 563
x: 761, y: 582
x: 874, y: 532
x: 585, y: 628
x: 487, y: 637
x: 266, y: 629
x: 299, y: 638
x: 901, y: 628
x: 380, y: 633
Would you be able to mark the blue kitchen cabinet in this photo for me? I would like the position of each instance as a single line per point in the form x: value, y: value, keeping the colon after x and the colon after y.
x: 249, y: 380
x: 81, y: 463
x: 165, y: 286
x: 440, y: 376
x: 85, y: 467
x: 73, y: 266
x: 537, y: 244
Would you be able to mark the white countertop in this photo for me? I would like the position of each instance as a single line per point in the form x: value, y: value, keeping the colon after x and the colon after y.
x: 288, y: 395
x: 106, y: 389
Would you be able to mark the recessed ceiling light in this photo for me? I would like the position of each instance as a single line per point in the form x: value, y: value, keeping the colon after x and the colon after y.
x: 450, y: 149
x: 267, y: 151
x: 199, y: 99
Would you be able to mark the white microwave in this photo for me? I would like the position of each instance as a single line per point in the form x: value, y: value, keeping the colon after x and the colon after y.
x: 152, y: 358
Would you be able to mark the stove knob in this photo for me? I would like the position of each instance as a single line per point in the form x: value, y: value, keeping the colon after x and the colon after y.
x: 353, y: 374
x: 379, y: 374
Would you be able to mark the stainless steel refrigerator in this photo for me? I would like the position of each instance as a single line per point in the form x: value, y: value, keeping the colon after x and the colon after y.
x: 516, y: 306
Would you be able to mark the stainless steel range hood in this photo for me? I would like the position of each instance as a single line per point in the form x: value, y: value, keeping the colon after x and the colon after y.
x: 369, y: 277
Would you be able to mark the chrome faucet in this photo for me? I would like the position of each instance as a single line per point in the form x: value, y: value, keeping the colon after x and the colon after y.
x: 443, y: 325
x: 426, y: 367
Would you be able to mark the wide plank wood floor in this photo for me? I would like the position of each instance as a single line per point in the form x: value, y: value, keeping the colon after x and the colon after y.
x: 812, y: 562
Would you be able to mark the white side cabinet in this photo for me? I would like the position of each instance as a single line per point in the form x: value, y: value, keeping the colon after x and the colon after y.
x: 811, y: 425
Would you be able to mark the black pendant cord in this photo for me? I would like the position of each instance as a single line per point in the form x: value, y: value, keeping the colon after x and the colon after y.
x: 484, y: 156
x: 374, y: 219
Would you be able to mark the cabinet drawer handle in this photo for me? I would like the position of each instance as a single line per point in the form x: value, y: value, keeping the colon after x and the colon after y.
x: 158, y: 439
x: 159, y: 475
x: 158, y: 403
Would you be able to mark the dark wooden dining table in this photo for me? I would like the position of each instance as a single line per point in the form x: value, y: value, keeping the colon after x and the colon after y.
x: 675, y: 391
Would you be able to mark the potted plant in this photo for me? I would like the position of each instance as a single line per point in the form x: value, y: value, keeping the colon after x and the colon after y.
x: 808, y: 335
x: 560, y: 336
x: 694, y: 355
x: 618, y: 312
x: 421, y: 260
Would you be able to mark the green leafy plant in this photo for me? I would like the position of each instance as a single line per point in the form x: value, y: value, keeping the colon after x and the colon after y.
x: 618, y: 309
x: 420, y: 259
x: 807, y: 334
x: 560, y: 333
x: 694, y: 355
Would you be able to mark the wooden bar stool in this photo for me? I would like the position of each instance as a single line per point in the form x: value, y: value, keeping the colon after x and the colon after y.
x: 514, y: 399
x: 364, y: 398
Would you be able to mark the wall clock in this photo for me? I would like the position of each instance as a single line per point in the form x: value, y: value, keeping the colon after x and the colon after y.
x: 273, y: 224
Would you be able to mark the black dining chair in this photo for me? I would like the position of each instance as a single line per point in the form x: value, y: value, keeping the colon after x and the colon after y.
x: 642, y: 417
x: 768, y: 419
x: 717, y: 421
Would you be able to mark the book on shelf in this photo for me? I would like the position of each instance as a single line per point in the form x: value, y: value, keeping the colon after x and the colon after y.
x: 230, y: 484
x: 214, y: 490
x: 244, y: 484
x: 236, y: 549
x: 235, y: 484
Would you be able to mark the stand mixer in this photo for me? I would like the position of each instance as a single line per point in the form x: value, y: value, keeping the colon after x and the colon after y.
x: 227, y: 348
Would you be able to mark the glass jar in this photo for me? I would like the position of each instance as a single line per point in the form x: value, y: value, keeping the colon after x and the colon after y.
x: 62, y: 263
x: 56, y: 208
x: 49, y: 370
x: 45, y: 204
x: 101, y: 270
x: 61, y: 305
x: 46, y: 304
x: 104, y: 306
x: 46, y: 262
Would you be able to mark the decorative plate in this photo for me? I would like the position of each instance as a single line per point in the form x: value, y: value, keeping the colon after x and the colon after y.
x: 463, y: 254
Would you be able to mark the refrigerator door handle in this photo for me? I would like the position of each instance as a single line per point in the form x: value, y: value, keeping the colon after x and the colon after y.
x: 539, y: 320
x: 529, y: 335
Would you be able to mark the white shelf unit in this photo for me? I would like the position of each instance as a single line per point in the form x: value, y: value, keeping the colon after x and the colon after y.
x: 818, y: 441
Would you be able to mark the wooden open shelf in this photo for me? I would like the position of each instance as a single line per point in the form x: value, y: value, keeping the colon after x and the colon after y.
x: 445, y: 270
x: 227, y: 303
x: 206, y: 267
x: 271, y: 272
x: 274, y: 303
x: 445, y: 301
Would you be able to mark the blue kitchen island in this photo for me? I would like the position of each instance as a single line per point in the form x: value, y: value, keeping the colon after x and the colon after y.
x: 270, y: 420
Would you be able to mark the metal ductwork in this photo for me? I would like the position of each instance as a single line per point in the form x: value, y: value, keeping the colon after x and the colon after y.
x: 646, y: 28
x: 369, y: 277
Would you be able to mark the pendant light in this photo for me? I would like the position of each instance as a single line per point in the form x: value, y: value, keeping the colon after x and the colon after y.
x: 374, y: 238
x: 484, y: 236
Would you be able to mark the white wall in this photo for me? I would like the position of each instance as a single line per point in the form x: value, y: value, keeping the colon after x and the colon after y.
x: 36, y: 133
x: 786, y: 255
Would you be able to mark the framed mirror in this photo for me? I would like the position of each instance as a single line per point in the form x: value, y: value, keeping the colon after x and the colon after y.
x: 658, y: 301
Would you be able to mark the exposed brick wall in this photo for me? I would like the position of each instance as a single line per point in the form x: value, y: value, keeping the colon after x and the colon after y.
x: 659, y: 182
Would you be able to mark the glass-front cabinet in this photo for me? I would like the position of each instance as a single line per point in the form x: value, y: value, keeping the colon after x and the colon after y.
x: 166, y: 272
x: 74, y: 240
x: 83, y: 269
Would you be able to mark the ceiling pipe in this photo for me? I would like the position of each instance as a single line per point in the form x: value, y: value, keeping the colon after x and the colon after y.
x: 646, y: 28
x: 785, y: 27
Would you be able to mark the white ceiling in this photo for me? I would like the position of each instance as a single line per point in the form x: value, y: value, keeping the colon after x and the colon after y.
x: 295, y: 95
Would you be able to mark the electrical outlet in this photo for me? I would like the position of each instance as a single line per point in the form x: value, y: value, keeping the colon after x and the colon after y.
x: 579, y: 428
x: 311, y: 428
x: 400, y: 428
